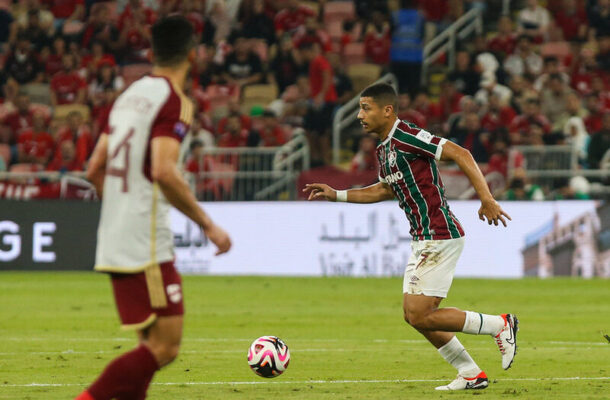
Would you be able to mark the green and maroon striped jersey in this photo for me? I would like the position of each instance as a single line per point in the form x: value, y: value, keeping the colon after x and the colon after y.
x: 407, y: 162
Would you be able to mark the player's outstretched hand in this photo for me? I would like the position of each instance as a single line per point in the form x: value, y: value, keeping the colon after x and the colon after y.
x: 219, y: 237
x: 493, y: 212
x: 320, y: 191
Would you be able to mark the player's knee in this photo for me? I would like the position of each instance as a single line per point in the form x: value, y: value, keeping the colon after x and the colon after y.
x: 417, y: 321
x: 165, y: 353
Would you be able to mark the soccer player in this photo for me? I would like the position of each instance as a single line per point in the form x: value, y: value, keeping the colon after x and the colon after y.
x: 135, y: 163
x: 407, y: 157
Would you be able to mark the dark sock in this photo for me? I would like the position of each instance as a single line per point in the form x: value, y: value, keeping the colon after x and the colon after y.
x: 126, y: 377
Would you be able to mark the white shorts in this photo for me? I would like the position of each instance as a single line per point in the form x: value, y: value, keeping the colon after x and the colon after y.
x: 431, y: 266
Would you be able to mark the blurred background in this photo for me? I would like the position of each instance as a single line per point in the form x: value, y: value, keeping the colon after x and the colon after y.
x: 524, y: 85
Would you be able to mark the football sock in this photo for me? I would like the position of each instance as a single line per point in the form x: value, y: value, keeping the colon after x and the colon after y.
x: 455, y: 354
x: 482, y: 324
x: 126, y: 377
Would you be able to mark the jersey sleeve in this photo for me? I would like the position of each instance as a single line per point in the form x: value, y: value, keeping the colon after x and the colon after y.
x: 174, y: 118
x: 420, y: 142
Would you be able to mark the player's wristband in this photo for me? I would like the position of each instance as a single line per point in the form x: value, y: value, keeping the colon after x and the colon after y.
x: 342, y: 195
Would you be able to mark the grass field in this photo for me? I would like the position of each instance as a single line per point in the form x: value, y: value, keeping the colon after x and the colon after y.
x: 346, y: 336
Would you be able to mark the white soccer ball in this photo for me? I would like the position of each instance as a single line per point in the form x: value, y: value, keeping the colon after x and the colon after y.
x: 268, y: 356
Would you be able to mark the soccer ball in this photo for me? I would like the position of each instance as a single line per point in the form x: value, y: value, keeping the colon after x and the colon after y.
x: 268, y: 356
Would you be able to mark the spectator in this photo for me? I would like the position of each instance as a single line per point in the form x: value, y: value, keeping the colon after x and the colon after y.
x: 378, y: 40
x: 79, y: 134
x: 93, y: 61
x: 599, y: 19
x: 347, y: 35
x: 553, y: 100
x: 291, y: 17
x: 106, y: 80
x: 22, y: 64
x: 45, y: 17
x: 234, y: 135
x: 35, y: 145
x: 520, y: 188
x: 449, y: 101
x: 603, y: 55
x: 525, y: 61
x: 128, y: 16
x: 67, y: 160
x: 341, y: 80
x: 101, y: 111
x: 503, y: 44
x: 487, y: 65
x: 66, y: 10
x: 67, y: 87
x: 405, y: 112
x: 534, y: 20
x: 520, y: 125
x: 245, y: 121
x: 310, y: 32
x: 467, y: 106
x: 520, y: 92
x: 270, y: 134
x: 18, y: 120
x: 594, y: 114
x: 499, y: 115
x: 551, y: 67
x: 489, y: 87
x: 430, y: 110
x: 323, y: 97
x: 136, y: 38
x: 572, y: 19
x: 575, y: 134
x: 470, y: 136
x: 286, y: 65
x: 53, y: 62
x: 600, y: 143
x: 498, y: 162
x: 464, y: 77
x: 258, y: 25
x: 34, y: 32
x: 242, y: 67
x: 585, y: 70
x: 365, y: 159
x: 102, y: 29
x: 198, y: 162
x: 6, y: 22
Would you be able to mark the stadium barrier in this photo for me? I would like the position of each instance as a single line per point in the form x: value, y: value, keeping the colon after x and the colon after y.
x: 325, y: 239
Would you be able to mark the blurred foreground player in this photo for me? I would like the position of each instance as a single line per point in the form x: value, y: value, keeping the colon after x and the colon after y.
x: 407, y: 157
x: 135, y: 163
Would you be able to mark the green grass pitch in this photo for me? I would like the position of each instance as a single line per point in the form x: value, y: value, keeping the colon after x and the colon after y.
x: 346, y: 336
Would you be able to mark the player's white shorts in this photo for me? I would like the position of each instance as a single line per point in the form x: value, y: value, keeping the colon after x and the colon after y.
x: 431, y: 266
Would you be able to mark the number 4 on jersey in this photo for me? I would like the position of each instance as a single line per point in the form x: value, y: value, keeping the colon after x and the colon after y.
x: 116, y: 171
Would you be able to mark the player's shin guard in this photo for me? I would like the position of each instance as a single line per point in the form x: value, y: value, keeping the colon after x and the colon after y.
x: 127, y: 376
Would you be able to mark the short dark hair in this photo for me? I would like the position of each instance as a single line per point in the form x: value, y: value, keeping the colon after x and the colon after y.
x: 172, y: 39
x: 382, y: 94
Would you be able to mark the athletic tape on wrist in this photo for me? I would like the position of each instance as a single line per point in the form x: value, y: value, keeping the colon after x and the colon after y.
x: 342, y: 195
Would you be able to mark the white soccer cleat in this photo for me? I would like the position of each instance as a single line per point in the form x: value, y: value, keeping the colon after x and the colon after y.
x: 507, y: 339
x: 460, y: 383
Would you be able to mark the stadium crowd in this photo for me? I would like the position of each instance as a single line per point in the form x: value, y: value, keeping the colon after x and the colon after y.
x: 538, y: 76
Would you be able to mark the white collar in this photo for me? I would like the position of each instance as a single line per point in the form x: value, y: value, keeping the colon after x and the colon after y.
x: 387, y: 139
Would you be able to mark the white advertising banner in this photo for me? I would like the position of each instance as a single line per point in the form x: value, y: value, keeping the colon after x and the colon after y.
x: 340, y: 239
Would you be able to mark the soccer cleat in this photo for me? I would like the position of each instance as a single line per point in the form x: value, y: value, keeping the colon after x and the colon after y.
x: 460, y: 383
x: 507, y: 339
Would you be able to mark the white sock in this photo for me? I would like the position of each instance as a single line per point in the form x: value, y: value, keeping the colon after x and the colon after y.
x: 482, y: 324
x: 455, y: 354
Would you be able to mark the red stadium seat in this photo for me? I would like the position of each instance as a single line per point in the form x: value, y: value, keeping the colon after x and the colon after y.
x: 353, y: 53
x: 5, y: 153
x: 339, y: 10
x: 134, y: 72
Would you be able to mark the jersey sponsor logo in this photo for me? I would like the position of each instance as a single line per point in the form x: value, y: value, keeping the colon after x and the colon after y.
x: 180, y: 129
x: 392, y: 158
x: 424, y: 136
x: 394, y: 177
x: 174, y: 292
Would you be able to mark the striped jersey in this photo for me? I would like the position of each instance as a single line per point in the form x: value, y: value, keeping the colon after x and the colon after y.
x: 134, y: 231
x: 407, y: 162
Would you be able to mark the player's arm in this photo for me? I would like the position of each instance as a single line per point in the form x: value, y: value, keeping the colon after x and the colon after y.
x: 490, y: 208
x: 96, y: 169
x: 164, y: 170
x: 371, y: 194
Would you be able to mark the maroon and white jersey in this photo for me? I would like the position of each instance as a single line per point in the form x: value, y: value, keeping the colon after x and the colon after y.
x: 134, y: 230
x: 407, y: 162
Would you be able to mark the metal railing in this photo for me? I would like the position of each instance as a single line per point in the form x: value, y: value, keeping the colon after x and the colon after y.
x: 247, y: 173
x: 346, y: 115
x: 445, y: 42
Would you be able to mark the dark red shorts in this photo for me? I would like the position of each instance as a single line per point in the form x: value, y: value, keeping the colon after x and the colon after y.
x: 144, y: 296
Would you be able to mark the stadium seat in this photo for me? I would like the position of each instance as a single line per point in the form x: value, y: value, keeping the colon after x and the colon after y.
x: 38, y: 92
x: 353, y: 53
x: 339, y: 11
x: 363, y: 75
x: 5, y: 153
x: 62, y: 112
x: 134, y: 72
x: 254, y: 95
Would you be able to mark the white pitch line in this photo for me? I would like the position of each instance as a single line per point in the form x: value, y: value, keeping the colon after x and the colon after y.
x: 345, y: 381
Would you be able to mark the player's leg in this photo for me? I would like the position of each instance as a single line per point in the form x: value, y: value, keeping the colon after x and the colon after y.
x: 470, y: 376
